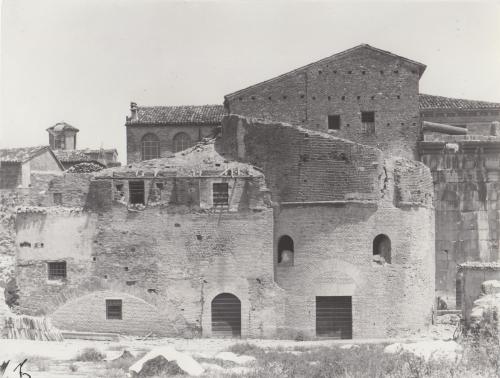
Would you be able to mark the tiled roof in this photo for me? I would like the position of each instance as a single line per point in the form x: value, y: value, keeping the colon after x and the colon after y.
x: 20, y: 155
x: 178, y: 115
x: 71, y: 156
x: 60, y: 126
x: 440, y: 102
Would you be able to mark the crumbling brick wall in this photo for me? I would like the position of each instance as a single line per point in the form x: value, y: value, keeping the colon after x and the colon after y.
x: 303, y: 165
x: 361, y: 80
x: 174, y: 257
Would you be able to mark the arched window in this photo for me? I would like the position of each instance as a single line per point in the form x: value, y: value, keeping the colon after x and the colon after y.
x: 150, y: 147
x: 382, y: 247
x: 285, y: 250
x: 226, y: 316
x: 181, y: 142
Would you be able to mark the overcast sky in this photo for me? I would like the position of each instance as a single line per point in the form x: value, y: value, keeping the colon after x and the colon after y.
x: 84, y: 61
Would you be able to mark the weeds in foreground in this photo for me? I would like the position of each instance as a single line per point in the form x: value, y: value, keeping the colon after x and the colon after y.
x: 480, y: 358
x: 90, y: 354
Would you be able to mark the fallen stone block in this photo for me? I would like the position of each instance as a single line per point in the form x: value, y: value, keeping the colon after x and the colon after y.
x: 429, y: 350
x: 185, y: 362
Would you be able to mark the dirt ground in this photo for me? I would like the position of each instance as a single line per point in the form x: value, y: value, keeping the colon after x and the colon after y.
x: 60, y: 359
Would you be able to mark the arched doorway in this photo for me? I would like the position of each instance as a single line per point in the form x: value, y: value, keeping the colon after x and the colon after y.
x: 226, y: 316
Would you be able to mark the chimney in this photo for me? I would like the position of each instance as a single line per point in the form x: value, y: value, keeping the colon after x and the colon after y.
x: 133, y: 112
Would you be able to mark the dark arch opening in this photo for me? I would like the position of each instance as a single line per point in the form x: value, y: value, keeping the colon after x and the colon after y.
x: 382, y: 247
x: 226, y: 316
x: 150, y: 147
x: 285, y: 250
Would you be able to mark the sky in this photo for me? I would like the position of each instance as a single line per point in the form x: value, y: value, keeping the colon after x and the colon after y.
x: 84, y: 61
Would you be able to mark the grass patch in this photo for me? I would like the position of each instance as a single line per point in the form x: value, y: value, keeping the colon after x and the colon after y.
x: 481, y: 358
x: 90, y: 354
x: 248, y: 349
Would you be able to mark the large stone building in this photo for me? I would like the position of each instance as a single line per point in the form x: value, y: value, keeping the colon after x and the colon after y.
x: 372, y: 97
x: 240, y: 235
x: 241, y: 224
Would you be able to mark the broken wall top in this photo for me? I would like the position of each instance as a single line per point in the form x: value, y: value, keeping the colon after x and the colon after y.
x: 301, y: 165
x: 201, y: 160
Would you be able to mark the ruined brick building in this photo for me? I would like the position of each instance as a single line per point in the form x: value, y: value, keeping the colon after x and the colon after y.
x: 322, y: 226
x: 239, y: 235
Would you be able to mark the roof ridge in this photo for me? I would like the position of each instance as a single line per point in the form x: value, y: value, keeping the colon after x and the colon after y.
x: 336, y: 55
x: 459, y: 98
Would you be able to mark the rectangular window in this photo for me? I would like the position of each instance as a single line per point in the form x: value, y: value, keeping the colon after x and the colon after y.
x: 220, y: 193
x: 136, y: 192
x: 368, y: 122
x: 333, y: 122
x: 57, y: 270
x: 114, y: 309
x: 334, y: 317
x: 57, y: 198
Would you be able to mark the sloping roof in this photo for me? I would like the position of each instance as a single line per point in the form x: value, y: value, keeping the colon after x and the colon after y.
x: 99, y: 150
x: 178, y: 115
x: 428, y: 102
x: 21, y: 154
x: 421, y: 67
x: 60, y: 126
x: 203, y: 159
x: 71, y: 156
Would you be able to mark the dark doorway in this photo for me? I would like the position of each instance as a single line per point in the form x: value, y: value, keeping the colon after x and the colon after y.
x: 226, y: 316
x: 136, y: 192
x: 334, y: 317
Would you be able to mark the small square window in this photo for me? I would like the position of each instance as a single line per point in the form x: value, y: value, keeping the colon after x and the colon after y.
x: 57, y: 198
x: 114, y: 309
x: 368, y: 122
x: 220, y: 193
x: 334, y: 122
x: 57, y: 270
x: 367, y: 116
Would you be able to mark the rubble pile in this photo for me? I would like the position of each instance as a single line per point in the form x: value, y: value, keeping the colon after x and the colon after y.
x: 486, y: 311
x: 85, y: 168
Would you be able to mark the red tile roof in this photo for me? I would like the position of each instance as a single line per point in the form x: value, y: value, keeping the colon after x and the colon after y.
x: 428, y: 102
x: 178, y: 115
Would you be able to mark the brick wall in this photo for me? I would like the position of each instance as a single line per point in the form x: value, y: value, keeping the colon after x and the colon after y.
x: 466, y: 186
x: 165, y: 134
x: 363, y: 80
x: 175, y: 258
x: 302, y: 165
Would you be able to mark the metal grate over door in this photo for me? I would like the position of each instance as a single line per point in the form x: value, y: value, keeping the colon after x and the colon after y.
x: 334, y: 317
x: 226, y: 316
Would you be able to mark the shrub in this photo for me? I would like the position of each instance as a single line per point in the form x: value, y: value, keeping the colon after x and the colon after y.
x: 90, y: 354
x: 73, y: 367
x: 245, y: 348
